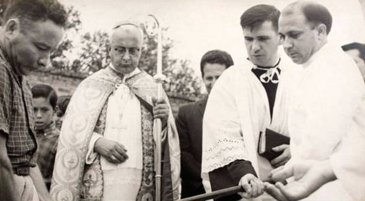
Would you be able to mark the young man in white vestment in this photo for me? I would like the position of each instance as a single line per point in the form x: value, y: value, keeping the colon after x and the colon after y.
x: 324, y: 107
x: 247, y: 99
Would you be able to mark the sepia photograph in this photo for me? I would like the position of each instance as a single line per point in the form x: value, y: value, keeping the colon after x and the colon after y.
x: 182, y: 100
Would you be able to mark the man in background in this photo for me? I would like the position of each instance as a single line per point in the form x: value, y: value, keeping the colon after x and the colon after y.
x: 189, y: 124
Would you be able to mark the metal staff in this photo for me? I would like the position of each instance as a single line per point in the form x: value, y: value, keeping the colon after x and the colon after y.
x: 215, y: 194
x: 152, y: 26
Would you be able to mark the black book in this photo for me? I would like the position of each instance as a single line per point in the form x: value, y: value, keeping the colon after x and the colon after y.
x: 268, y: 140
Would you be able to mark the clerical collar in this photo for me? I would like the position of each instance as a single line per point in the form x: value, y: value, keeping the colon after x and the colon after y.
x: 268, y: 67
x: 270, y: 73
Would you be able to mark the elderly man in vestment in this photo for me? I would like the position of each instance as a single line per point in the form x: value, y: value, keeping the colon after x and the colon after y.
x: 327, y: 94
x: 247, y: 99
x: 106, y: 149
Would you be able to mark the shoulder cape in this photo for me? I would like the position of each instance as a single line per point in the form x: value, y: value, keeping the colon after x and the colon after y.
x: 78, y: 126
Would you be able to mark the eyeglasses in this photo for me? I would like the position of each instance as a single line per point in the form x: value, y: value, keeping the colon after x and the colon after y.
x: 131, y: 50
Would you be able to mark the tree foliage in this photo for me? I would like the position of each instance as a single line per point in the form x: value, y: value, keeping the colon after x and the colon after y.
x: 92, y: 54
x: 85, y: 53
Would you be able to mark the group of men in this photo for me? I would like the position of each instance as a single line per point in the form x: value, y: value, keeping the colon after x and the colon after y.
x: 106, y: 148
x: 318, y: 104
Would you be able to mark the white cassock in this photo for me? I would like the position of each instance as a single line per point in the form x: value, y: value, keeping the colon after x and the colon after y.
x: 348, y: 163
x: 123, y: 125
x: 237, y: 110
x: 322, y: 109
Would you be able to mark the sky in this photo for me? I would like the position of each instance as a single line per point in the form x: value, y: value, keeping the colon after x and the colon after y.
x: 197, y: 26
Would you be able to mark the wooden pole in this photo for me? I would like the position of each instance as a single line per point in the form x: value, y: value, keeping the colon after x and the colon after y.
x: 215, y: 194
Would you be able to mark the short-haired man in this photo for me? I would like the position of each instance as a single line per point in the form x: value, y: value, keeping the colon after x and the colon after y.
x: 106, y: 149
x: 30, y: 31
x: 247, y: 99
x: 189, y: 123
x: 328, y: 92
x: 357, y: 52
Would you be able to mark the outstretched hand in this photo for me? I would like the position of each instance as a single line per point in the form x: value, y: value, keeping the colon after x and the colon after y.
x: 308, y: 176
x: 296, y: 169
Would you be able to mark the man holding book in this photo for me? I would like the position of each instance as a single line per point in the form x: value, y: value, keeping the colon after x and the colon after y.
x: 245, y: 101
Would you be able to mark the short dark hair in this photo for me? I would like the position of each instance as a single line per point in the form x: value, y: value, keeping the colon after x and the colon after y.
x: 216, y: 57
x: 356, y: 46
x: 36, y: 10
x: 318, y: 14
x: 62, y: 104
x: 47, y: 92
x: 314, y: 13
x: 258, y: 14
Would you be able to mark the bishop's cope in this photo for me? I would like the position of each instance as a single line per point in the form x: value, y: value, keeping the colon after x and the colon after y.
x: 106, y: 149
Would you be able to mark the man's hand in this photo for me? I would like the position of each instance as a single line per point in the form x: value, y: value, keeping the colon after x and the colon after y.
x: 283, y: 158
x: 8, y: 188
x: 308, y: 176
x: 275, y: 192
x: 295, y: 190
x: 161, y: 111
x: 252, y: 185
x: 112, y: 151
x: 39, y: 184
x: 294, y: 168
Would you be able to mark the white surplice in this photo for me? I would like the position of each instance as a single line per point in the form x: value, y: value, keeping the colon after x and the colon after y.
x: 321, y: 110
x: 237, y: 110
x: 123, y: 125
x: 348, y: 163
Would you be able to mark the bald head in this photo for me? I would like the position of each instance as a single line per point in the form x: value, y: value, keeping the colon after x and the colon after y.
x: 126, y: 43
x: 128, y: 30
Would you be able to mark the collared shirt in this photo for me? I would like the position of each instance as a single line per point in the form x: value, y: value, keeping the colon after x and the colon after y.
x: 47, y: 141
x: 16, y: 116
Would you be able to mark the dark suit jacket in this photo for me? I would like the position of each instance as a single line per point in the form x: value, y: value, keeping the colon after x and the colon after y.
x: 189, y: 126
